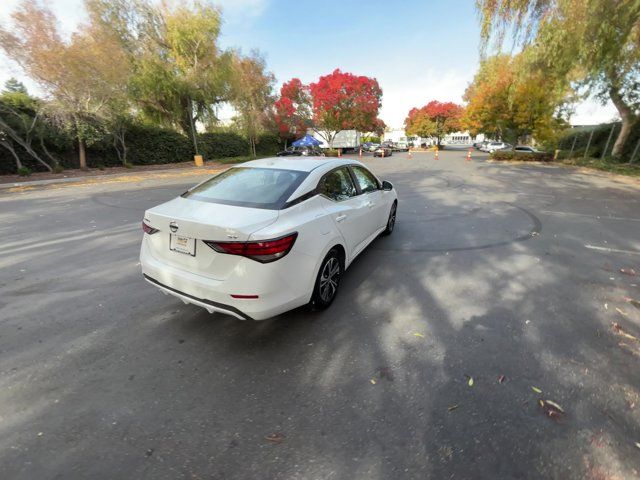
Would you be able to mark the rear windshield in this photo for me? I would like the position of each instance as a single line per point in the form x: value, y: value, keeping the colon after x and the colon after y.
x: 267, y: 188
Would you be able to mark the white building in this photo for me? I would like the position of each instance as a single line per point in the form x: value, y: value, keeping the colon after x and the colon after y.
x: 455, y: 138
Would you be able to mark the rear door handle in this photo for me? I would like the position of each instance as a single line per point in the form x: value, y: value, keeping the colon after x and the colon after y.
x: 340, y: 218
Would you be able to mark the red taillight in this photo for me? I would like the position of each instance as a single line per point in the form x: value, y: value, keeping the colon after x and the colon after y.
x: 149, y: 230
x: 263, y: 251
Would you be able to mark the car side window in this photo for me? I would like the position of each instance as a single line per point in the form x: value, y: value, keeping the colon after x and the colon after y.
x: 366, y: 180
x: 337, y: 185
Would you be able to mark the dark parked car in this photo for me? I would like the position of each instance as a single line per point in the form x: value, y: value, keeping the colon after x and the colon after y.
x: 383, y: 151
x: 300, y: 151
x: 525, y: 149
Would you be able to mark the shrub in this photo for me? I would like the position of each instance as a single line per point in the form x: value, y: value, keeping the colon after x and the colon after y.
x: 222, y: 144
x: 268, y: 144
x: 598, y: 141
x: 330, y: 152
x: 523, y: 157
x: 24, y: 171
x: 149, y: 145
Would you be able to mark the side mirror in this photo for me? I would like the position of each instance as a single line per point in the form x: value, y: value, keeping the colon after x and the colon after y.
x: 387, y: 185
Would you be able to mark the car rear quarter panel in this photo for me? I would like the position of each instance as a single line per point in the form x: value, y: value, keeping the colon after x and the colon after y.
x: 316, y: 235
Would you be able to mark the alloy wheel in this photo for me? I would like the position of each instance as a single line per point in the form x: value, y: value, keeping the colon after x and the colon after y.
x: 329, y: 279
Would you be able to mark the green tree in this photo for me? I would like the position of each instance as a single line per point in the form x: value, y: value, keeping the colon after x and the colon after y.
x: 14, y: 86
x: 595, y: 44
x: 81, y: 75
x: 21, y: 120
x: 252, y: 95
x: 179, y: 71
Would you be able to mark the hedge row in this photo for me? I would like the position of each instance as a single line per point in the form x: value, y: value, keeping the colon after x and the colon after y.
x: 523, y: 157
x: 150, y: 145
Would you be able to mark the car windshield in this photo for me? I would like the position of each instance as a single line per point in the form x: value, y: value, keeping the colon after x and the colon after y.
x: 267, y: 188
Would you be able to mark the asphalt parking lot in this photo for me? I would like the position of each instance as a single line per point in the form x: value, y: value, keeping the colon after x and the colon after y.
x: 501, y: 286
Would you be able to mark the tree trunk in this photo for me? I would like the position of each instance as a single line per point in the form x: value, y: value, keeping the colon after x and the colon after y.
x: 193, y: 128
x: 48, y: 154
x: 20, y: 141
x: 627, y: 117
x: 82, y: 154
x: 9, y: 147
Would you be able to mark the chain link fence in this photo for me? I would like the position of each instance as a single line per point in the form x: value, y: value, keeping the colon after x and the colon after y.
x: 597, y: 142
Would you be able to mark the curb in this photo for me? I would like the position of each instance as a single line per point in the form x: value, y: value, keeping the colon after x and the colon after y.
x: 97, y: 178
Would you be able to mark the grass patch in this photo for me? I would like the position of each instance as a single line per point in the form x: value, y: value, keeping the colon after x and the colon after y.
x: 607, y: 165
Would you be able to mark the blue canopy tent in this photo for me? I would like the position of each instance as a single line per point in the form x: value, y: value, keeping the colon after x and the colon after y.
x: 306, y: 141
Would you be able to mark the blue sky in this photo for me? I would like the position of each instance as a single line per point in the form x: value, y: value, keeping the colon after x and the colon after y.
x: 419, y: 50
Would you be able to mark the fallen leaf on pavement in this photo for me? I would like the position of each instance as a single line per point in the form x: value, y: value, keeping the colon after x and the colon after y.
x: 635, y: 303
x: 452, y: 408
x: 373, y: 381
x: 637, y: 444
x: 501, y: 378
x: 606, y: 306
x: 416, y: 334
x: 621, y: 312
x: 628, y: 271
x: 469, y: 380
x: 276, y: 437
x: 554, y: 405
x: 619, y: 330
x: 536, y: 389
x: 551, y: 408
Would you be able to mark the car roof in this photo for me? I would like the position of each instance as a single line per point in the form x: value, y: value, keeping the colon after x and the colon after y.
x: 306, y: 164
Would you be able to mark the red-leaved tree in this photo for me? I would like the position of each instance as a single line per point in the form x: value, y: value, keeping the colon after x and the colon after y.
x: 343, y: 101
x: 435, y: 119
x: 293, y: 109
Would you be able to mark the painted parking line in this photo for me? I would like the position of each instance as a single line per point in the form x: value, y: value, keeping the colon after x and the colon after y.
x: 598, y: 217
x: 612, y: 250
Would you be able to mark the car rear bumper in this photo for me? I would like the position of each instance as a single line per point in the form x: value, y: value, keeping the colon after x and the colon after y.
x: 216, y: 295
x: 208, y: 305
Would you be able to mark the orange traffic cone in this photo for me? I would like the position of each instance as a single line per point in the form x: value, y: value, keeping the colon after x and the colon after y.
x: 469, y: 155
x: 436, y: 157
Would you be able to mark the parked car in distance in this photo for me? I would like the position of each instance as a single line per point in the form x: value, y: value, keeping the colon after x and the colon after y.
x: 266, y: 236
x: 300, y: 151
x: 401, y: 147
x: 373, y: 147
x: 383, y: 151
x: 480, y: 145
x: 493, y: 146
x: 525, y: 149
x: 366, y: 146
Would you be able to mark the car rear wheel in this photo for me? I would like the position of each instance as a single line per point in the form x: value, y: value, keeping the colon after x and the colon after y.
x: 391, y: 222
x: 327, y: 282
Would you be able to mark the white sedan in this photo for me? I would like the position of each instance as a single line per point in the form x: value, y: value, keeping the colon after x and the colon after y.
x: 266, y: 236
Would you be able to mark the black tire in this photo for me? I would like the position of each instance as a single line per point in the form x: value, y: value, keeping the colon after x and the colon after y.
x: 327, y: 283
x: 391, y: 222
